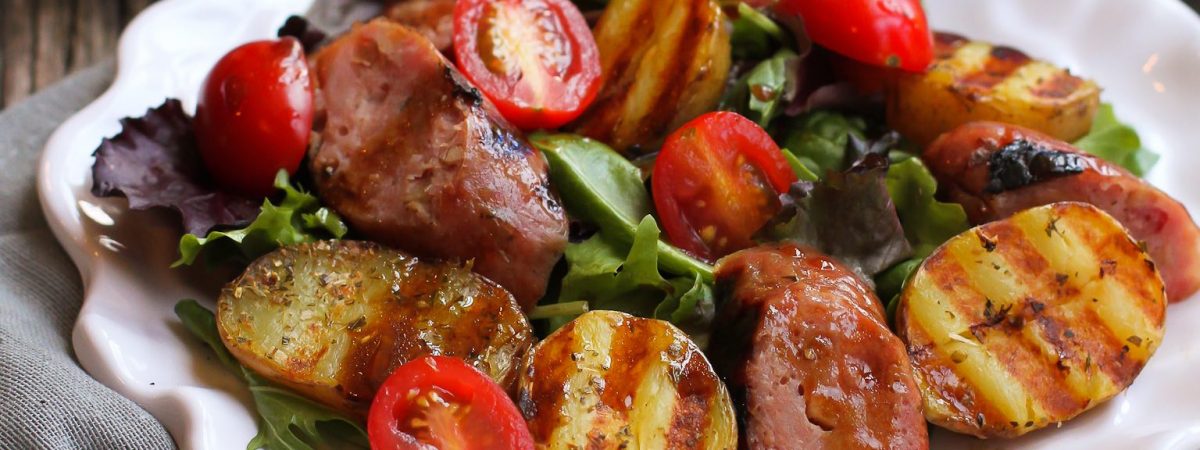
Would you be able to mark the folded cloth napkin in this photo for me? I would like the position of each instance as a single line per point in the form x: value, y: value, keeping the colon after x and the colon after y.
x: 46, y: 399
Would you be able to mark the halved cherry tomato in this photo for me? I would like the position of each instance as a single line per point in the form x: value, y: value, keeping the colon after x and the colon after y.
x: 443, y: 403
x: 891, y: 33
x: 716, y: 182
x: 535, y: 59
x: 254, y: 115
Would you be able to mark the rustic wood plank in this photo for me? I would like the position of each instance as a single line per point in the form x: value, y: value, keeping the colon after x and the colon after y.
x: 97, y: 24
x: 53, y: 31
x: 17, y: 24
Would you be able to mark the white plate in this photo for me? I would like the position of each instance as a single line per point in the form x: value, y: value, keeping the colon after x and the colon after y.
x: 1146, y: 54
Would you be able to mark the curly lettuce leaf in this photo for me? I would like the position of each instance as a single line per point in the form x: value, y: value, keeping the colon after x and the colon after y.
x: 612, y: 276
x: 1117, y: 142
x: 287, y: 421
x: 154, y: 163
x: 927, y: 222
x: 298, y: 218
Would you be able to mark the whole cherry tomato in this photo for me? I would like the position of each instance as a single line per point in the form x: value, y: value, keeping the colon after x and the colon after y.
x: 891, y: 33
x: 535, y: 59
x: 716, y: 182
x: 254, y: 115
x: 443, y: 403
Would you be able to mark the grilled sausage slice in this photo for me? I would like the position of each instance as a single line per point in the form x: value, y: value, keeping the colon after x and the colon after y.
x: 333, y: 319
x: 808, y: 358
x: 434, y: 19
x: 996, y: 170
x: 412, y: 156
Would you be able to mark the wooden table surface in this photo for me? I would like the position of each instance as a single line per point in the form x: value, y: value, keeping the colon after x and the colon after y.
x: 42, y: 41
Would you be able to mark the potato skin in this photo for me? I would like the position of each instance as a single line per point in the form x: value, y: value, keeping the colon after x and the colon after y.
x: 971, y: 81
x: 332, y: 319
x: 608, y: 380
x: 809, y: 361
x: 663, y: 64
x: 1027, y: 322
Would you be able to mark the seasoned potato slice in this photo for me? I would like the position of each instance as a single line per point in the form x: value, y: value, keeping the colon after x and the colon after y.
x: 972, y: 81
x: 333, y: 319
x: 1030, y: 321
x: 609, y: 380
x: 664, y: 63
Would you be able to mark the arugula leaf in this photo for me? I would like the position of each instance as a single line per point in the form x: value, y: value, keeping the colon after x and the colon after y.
x: 927, y: 222
x: 287, y: 421
x: 298, y: 218
x: 819, y: 140
x: 1117, y: 142
x: 600, y: 186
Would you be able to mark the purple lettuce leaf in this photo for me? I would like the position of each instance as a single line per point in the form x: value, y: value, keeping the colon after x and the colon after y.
x: 298, y: 27
x: 867, y: 236
x: 153, y: 162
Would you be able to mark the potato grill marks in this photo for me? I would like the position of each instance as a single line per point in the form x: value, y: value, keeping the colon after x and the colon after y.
x: 334, y: 319
x: 609, y: 380
x: 1040, y: 341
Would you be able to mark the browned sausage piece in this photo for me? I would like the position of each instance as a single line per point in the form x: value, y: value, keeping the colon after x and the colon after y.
x: 996, y: 170
x: 808, y: 360
x: 434, y: 19
x: 412, y: 156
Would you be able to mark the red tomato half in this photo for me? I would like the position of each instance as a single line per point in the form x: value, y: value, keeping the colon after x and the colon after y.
x: 535, y: 59
x: 892, y: 33
x: 716, y: 182
x: 443, y: 403
x: 254, y: 115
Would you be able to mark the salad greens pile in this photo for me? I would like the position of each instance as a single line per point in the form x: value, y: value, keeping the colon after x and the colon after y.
x: 298, y: 218
x: 621, y: 267
x: 287, y: 420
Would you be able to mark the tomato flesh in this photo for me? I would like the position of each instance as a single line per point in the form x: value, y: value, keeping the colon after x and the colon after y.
x: 535, y: 59
x: 254, y: 115
x: 716, y: 182
x: 891, y: 33
x: 439, y: 402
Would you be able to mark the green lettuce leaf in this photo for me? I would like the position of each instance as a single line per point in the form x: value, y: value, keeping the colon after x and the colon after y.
x: 601, y: 187
x: 927, y: 222
x: 762, y: 91
x: 609, y: 275
x: 298, y: 218
x: 1117, y: 142
x: 287, y: 421
x: 754, y: 34
x: 819, y: 140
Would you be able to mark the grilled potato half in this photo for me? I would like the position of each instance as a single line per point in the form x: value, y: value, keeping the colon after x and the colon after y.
x: 608, y: 380
x: 333, y: 319
x: 1030, y: 321
x: 664, y: 62
x: 971, y: 81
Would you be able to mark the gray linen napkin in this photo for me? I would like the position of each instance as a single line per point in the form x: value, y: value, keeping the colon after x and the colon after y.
x: 46, y: 399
